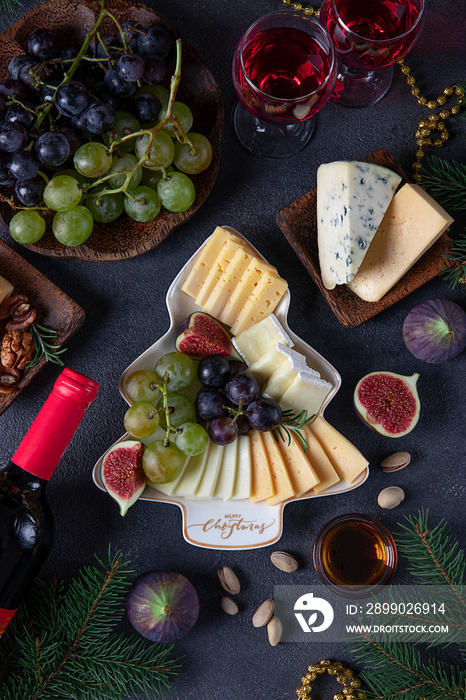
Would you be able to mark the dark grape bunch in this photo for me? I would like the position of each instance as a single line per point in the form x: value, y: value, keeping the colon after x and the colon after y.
x: 67, y: 115
x: 230, y: 400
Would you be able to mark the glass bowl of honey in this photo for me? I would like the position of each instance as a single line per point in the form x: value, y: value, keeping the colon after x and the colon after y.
x: 355, y: 555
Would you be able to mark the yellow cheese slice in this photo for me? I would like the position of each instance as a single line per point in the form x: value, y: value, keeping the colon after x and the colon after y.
x: 281, y: 481
x: 302, y: 475
x: 261, y: 302
x: 222, y: 291
x: 5, y: 289
x: 320, y: 462
x: 216, y: 271
x: 261, y: 477
x: 412, y: 223
x: 345, y: 457
x: 244, y: 289
x: 207, y: 256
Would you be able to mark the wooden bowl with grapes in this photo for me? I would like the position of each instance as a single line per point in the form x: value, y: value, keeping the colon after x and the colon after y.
x: 124, y: 237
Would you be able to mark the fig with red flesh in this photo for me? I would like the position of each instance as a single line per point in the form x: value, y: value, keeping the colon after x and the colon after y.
x: 122, y: 473
x: 163, y: 606
x: 435, y: 330
x: 388, y: 402
x: 201, y: 335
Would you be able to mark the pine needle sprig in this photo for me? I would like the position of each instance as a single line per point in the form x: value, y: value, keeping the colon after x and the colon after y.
x: 44, y: 347
x: 67, y: 647
x: 434, y: 556
x: 396, y: 670
x: 445, y: 180
x: 457, y: 272
x: 8, y: 4
x: 292, y: 423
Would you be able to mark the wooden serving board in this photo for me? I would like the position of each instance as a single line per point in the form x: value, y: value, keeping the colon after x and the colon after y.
x: 298, y: 223
x: 55, y: 309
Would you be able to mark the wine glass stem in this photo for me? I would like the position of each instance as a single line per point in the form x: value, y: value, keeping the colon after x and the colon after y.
x: 357, y: 88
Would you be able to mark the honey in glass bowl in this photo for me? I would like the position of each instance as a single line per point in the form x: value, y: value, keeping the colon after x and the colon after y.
x: 355, y: 554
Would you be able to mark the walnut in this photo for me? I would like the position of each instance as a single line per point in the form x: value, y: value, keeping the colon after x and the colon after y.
x: 17, y: 349
x: 17, y: 312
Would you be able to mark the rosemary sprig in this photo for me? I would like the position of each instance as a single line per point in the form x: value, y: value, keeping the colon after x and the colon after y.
x: 42, y: 337
x: 292, y: 423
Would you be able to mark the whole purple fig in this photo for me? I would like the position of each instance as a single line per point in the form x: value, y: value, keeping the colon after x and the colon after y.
x: 435, y: 330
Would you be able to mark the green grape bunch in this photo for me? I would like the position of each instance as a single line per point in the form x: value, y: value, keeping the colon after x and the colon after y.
x: 89, y: 133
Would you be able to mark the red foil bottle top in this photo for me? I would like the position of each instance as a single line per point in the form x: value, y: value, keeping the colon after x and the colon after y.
x: 46, y: 440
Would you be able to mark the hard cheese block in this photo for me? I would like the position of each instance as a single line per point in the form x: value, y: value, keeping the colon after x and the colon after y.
x: 352, y: 199
x: 261, y: 302
x: 413, y: 222
x: 346, y: 459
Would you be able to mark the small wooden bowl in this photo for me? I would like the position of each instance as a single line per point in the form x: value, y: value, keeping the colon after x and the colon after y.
x: 298, y: 223
x: 124, y: 238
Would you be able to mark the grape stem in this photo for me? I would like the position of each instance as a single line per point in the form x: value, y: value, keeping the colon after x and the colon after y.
x: 163, y: 389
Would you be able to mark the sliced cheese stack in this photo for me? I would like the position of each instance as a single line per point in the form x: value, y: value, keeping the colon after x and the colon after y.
x: 280, y: 471
x: 5, y: 289
x: 232, y: 284
x: 412, y: 223
x: 352, y: 199
x: 281, y: 371
x: 220, y: 472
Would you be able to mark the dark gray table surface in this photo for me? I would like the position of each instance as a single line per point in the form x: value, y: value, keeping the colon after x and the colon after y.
x: 225, y: 657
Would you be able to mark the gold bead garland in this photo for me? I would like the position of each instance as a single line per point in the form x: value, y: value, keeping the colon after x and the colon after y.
x: 435, y: 122
x: 344, y: 676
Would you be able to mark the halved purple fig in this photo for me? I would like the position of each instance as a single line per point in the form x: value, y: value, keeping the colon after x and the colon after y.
x: 435, y: 330
x: 201, y: 335
x: 122, y: 473
x: 162, y: 606
x: 388, y: 402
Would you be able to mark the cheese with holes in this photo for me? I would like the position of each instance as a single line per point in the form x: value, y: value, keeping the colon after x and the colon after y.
x: 320, y: 463
x: 226, y: 478
x: 261, y: 302
x: 191, y: 478
x: 281, y: 481
x: 352, y: 199
x: 302, y: 475
x: 245, y: 287
x: 413, y: 222
x: 242, y: 487
x: 5, y: 289
x: 204, y: 261
x: 216, y: 271
x: 306, y: 393
x: 261, y: 337
x: 261, y: 477
x: 348, y: 462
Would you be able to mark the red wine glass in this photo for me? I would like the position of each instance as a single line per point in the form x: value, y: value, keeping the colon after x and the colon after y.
x: 284, y: 70
x: 369, y: 37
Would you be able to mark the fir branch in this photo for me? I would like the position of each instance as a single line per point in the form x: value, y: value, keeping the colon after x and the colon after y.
x: 446, y: 181
x: 396, y: 670
x: 457, y: 272
x: 8, y: 4
x: 434, y: 556
x: 69, y: 649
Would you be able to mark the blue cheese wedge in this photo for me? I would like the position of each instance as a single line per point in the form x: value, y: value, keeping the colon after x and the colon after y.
x: 352, y: 199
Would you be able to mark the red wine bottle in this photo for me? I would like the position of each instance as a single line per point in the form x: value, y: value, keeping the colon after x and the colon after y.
x: 26, y: 523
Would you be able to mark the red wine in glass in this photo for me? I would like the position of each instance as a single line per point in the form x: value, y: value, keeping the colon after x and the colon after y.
x: 283, y: 72
x: 369, y: 36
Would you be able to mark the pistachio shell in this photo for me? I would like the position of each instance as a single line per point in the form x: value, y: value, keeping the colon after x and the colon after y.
x: 228, y: 605
x: 263, y: 613
x: 229, y: 580
x: 284, y: 561
x: 396, y: 461
x: 390, y: 497
x: 274, y: 631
